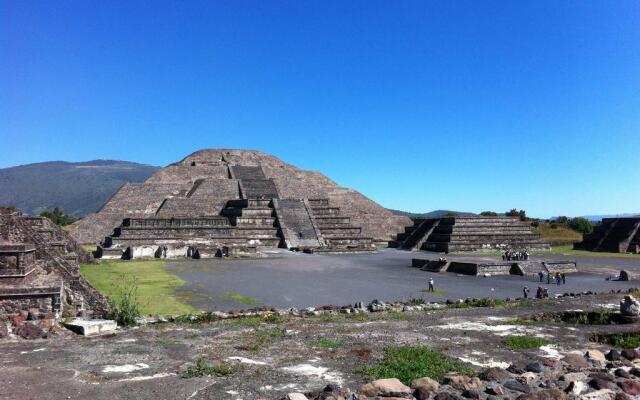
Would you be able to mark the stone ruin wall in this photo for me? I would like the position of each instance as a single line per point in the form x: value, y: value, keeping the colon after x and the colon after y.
x: 200, y: 185
x: 54, y: 267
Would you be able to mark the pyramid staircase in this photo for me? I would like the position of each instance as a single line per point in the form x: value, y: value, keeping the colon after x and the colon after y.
x: 339, y: 235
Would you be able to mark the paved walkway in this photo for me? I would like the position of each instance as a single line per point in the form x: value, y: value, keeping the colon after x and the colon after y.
x: 289, y: 279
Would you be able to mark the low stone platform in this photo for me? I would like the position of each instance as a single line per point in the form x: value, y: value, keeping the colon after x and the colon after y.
x: 469, y: 233
x: 615, y: 235
x: 486, y: 268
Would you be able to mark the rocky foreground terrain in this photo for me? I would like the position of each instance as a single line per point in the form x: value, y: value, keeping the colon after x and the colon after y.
x: 570, y: 347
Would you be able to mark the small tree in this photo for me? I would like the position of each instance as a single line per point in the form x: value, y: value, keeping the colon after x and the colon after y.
x: 489, y: 214
x: 522, y: 214
x: 581, y: 225
x: 562, y: 220
x: 58, y: 217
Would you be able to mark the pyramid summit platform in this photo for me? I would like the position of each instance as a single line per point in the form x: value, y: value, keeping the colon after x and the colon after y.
x: 221, y: 201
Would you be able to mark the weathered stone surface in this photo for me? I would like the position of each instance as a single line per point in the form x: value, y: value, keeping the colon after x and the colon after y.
x: 574, y: 376
x: 621, y: 373
x: 576, y: 388
x: 599, y: 383
x: 575, y: 361
x: 296, y: 396
x: 494, y: 389
x: 630, y: 387
x: 425, y: 383
x: 29, y: 331
x: 546, y: 394
x: 494, y: 374
x: 91, y: 327
x: 613, y: 355
x: 604, y: 394
x: 385, y: 387
x: 630, y: 306
x: 596, y: 355
x: 463, y: 382
x: 630, y: 354
x: 446, y: 396
x: 517, y: 386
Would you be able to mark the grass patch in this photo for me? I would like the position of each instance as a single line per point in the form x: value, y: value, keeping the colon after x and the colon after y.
x: 568, y: 250
x: 239, y: 298
x: 327, y: 343
x: 398, y: 316
x: 411, y: 362
x: 558, y: 236
x: 254, y: 341
x: 156, y: 288
x: 341, y: 318
x: 480, y: 303
x: 519, y: 342
x: 435, y: 293
x: 203, y: 368
x: 630, y: 340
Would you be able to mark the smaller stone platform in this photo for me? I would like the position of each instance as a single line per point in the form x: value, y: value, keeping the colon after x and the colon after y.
x: 91, y: 327
x: 487, y: 268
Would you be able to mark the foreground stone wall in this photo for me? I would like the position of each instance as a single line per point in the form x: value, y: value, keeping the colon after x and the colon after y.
x: 56, y: 262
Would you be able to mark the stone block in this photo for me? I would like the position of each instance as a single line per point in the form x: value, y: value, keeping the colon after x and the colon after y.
x: 91, y: 326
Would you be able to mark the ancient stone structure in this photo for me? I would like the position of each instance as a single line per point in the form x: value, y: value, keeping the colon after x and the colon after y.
x: 451, y: 234
x: 485, y: 268
x: 615, y: 235
x: 235, y: 202
x: 39, y: 269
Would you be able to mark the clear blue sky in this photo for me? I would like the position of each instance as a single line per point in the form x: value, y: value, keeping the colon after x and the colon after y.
x: 420, y: 105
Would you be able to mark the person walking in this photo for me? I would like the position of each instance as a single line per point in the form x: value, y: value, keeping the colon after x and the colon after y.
x: 431, y: 288
x: 564, y: 278
x: 541, y: 276
x: 525, y: 292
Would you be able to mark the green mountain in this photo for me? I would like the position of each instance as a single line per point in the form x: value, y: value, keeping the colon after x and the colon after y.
x: 78, y: 188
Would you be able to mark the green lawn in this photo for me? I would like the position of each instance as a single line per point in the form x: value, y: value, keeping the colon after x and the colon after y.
x: 569, y: 251
x: 156, y: 287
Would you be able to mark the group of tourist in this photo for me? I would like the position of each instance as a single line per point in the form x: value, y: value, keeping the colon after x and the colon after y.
x: 559, y: 278
x: 515, y: 255
x: 541, y: 293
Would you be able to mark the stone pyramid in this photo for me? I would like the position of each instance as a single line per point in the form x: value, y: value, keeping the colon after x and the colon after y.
x: 236, y: 201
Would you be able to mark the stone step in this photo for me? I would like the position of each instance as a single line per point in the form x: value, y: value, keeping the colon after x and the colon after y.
x: 326, y: 210
x: 346, y: 230
x: 328, y: 219
x: 357, y: 240
x: 265, y: 221
x: 318, y: 202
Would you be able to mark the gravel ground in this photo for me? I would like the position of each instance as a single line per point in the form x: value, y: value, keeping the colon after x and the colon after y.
x: 145, y: 363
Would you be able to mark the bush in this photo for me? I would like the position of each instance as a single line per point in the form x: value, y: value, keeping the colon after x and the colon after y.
x: 581, y: 225
x: 125, y: 306
x: 411, y: 362
x: 489, y: 214
x: 58, y: 217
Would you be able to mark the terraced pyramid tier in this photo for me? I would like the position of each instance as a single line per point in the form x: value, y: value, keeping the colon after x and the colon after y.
x: 451, y: 234
x: 617, y: 235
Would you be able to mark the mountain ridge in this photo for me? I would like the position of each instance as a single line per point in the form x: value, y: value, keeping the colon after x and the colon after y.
x: 78, y: 188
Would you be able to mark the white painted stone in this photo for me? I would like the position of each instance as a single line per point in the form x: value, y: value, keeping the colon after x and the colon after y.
x: 91, y: 326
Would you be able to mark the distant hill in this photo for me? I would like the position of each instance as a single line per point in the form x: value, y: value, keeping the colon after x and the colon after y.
x: 431, y: 214
x: 78, y: 188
